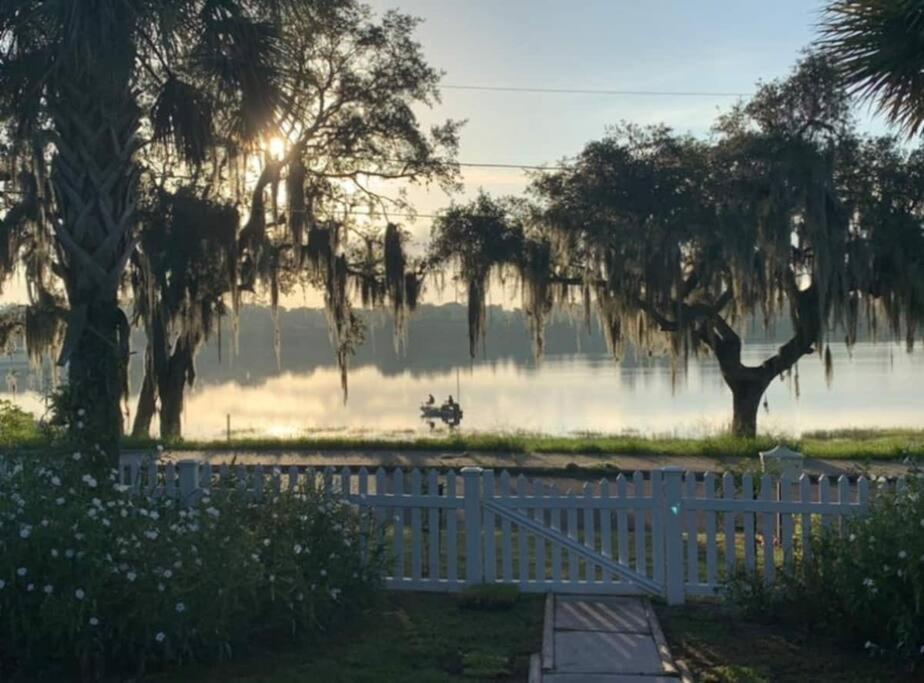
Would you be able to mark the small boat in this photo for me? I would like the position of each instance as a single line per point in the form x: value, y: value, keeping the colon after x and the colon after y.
x: 448, y: 412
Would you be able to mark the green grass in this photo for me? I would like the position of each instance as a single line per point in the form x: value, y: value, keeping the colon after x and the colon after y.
x: 859, y: 444
x: 412, y: 637
x: 721, y: 649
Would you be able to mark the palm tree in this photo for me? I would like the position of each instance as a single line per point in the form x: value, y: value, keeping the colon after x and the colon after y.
x: 81, y: 86
x: 878, y: 46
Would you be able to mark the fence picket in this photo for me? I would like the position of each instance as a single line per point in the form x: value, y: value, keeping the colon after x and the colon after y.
x: 433, y: 528
x: 638, y: 491
x: 539, y: 516
x: 590, y: 536
x: 364, y: 513
x: 416, y: 537
x: 345, y: 481
x: 786, y: 523
x: 690, y: 517
x: 506, y: 539
x: 805, y: 496
x: 709, y: 521
x: 490, y: 531
x: 747, y: 521
x: 824, y: 496
x: 452, y: 535
x: 573, y: 569
x: 767, y: 493
x: 622, y: 522
x: 555, y: 523
x: 293, y: 477
x: 381, y: 488
x: 170, y: 480
x: 657, y: 527
x: 257, y: 487
x: 606, y: 523
x: 398, y: 483
x: 843, y: 497
x: 522, y: 538
x: 728, y: 525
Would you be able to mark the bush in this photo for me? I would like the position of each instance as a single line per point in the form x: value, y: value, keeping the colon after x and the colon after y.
x: 865, y: 585
x: 17, y: 427
x: 94, y: 580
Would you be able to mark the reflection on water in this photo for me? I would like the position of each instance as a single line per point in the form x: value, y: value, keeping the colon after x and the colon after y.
x: 875, y: 386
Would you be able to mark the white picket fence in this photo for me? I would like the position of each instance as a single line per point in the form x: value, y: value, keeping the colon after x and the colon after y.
x: 669, y: 532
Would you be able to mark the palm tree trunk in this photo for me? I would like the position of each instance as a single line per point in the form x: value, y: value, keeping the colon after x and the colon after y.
x: 94, y: 179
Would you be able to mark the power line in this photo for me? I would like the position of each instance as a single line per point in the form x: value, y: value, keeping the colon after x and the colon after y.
x: 590, y: 91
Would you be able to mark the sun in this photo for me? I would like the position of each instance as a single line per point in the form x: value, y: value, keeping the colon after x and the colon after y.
x: 276, y: 147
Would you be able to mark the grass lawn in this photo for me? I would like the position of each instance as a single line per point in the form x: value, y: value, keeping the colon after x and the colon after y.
x: 412, y: 637
x: 718, y: 649
x: 850, y: 444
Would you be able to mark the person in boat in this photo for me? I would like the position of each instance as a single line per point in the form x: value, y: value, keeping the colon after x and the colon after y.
x: 451, y: 403
x: 430, y: 400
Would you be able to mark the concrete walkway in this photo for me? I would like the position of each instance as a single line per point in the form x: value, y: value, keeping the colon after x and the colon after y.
x: 590, y: 639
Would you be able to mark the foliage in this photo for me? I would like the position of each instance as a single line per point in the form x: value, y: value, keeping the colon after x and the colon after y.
x: 879, y: 49
x: 489, y: 596
x: 864, y: 585
x: 719, y: 646
x: 18, y: 428
x: 96, y: 580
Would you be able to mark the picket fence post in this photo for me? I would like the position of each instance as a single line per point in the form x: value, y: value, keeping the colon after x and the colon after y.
x: 474, y: 567
x: 673, y: 535
x: 189, y: 480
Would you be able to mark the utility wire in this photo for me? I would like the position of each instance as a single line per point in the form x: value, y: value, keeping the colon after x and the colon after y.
x: 590, y: 91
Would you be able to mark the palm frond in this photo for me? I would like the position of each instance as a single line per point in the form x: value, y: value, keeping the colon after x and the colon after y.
x: 878, y: 46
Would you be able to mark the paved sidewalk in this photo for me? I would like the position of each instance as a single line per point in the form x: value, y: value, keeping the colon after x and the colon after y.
x: 591, y: 639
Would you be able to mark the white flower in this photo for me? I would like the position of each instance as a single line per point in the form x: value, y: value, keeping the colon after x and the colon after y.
x: 22, y: 571
x: 266, y: 541
x: 213, y: 512
x: 323, y: 572
x: 131, y: 576
x: 297, y: 549
x: 152, y: 535
x: 272, y: 578
x: 168, y: 574
x: 59, y: 500
x: 68, y: 553
x: 89, y: 480
x: 160, y: 587
x: 180, y: 607
x: 335, y: 593
x: 76, y: 456
x: 56, y: 480
x: 902, y: 555
x: 94, y: 621
x: 160, y: 637
x: 79, y: 424
x: 25, y: 531
x: 54, y: 552
x: 2, y: 584
x: 79, y: 594
x: 30, y: 587
x: 81, y: 412
x: 48, y: 589
x: 160, y: 448
x: 868, y: 645
x: 853, y: 537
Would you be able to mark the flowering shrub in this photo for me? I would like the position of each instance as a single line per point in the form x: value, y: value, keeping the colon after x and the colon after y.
x: 865, y: 584
x: 94, y: 579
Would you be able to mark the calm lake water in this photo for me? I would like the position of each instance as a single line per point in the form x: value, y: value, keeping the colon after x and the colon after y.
x: 876, y: 385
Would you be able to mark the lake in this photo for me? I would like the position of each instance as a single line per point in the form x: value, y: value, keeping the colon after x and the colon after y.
x: 576, y: 388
